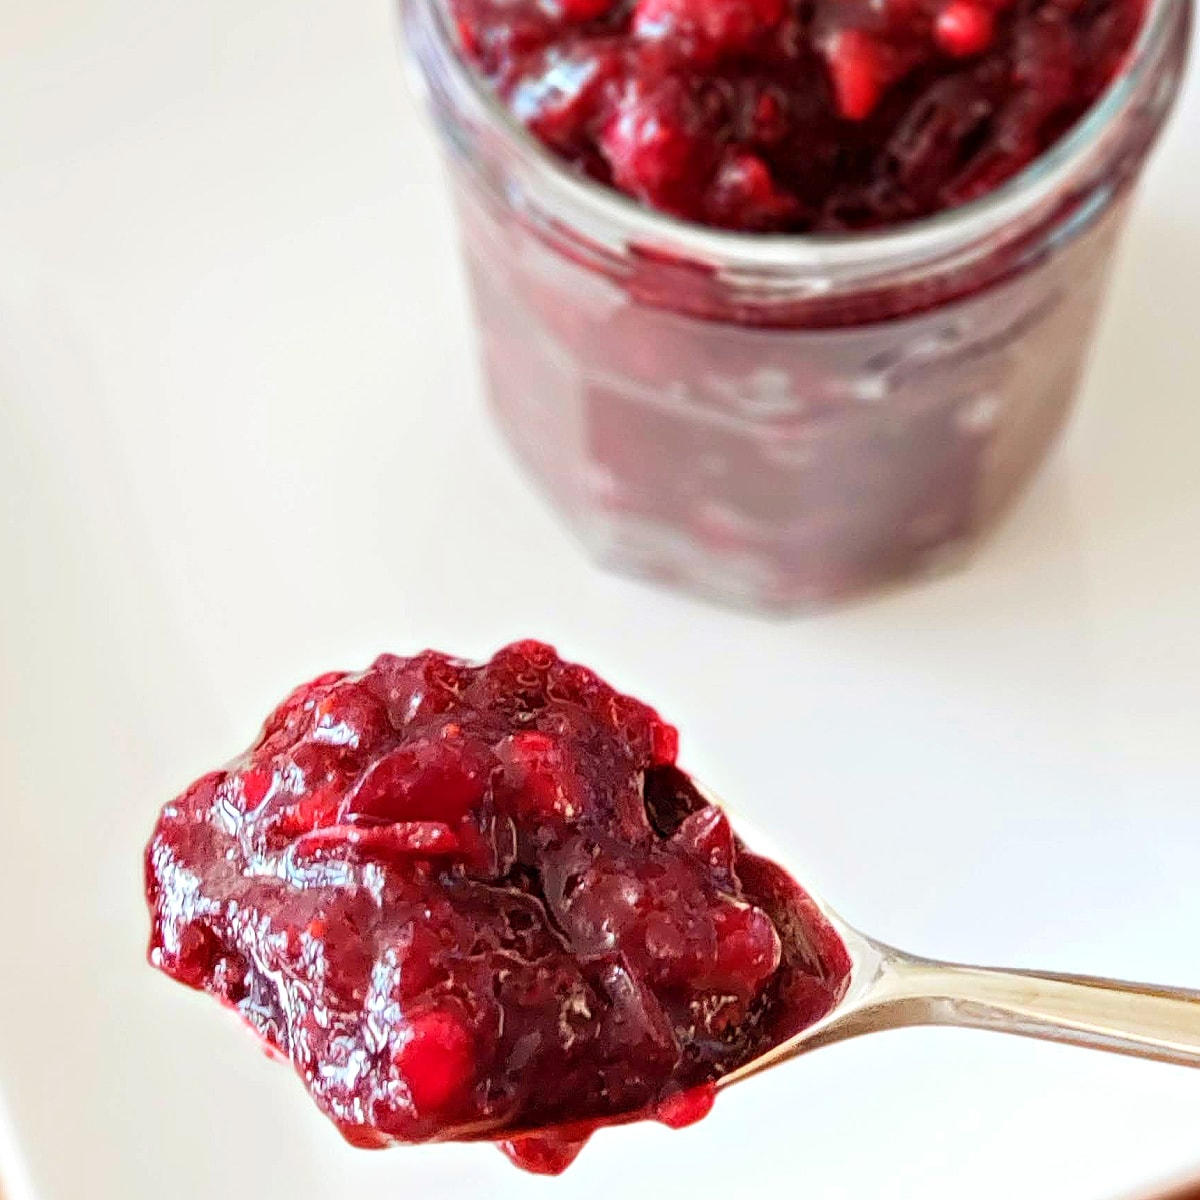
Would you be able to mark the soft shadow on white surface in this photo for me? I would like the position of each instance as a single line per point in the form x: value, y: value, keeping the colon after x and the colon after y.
x: 13, y: 1174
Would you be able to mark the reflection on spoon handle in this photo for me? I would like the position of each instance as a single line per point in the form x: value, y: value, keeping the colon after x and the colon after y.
x: 1106, y: 1014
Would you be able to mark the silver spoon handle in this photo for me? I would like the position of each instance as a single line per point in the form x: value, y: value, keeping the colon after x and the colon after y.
x: 1126, y: 1018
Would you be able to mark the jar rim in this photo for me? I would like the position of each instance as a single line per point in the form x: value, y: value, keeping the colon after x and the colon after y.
x: 618, y: 220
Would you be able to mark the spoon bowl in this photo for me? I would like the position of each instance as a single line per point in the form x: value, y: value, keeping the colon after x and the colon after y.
x: 886, y: 988
x: 889, y: 988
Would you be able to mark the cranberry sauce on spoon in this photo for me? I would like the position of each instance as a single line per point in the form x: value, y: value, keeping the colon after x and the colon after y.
x: 482, y: 902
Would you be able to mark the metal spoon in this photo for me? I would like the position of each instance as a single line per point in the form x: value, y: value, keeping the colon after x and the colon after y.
x: 891, y: 989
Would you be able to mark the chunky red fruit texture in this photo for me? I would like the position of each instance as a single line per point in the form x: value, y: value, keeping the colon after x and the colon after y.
x: 482, y: 902
x: 798, y: 115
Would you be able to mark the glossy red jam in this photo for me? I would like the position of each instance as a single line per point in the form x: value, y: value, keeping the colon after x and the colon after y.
x: 482, y: 902
x: 798, y: 115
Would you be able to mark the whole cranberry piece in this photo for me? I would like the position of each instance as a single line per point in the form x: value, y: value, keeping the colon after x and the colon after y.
x: 964, y: 28
x: 655, y: 145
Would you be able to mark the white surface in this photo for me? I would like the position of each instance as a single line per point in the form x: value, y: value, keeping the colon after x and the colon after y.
x: 241, y: 442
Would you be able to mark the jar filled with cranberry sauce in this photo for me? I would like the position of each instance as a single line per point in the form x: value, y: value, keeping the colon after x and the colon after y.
x: 782, y: 300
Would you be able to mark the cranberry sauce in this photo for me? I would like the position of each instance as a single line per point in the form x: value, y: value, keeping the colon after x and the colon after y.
x: 798, y: 115
x: 483, y: 902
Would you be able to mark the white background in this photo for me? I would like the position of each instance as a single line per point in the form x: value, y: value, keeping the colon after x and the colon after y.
x: 241, y: 441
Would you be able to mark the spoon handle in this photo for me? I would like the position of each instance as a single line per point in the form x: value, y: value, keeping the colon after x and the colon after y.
x: 1126, y: 1018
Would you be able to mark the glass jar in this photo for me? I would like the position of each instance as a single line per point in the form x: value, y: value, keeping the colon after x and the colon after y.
x: 783, y: 420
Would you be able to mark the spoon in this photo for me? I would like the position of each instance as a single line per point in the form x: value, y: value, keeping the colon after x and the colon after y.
x: 482, y: 902
x: 889, y: 988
